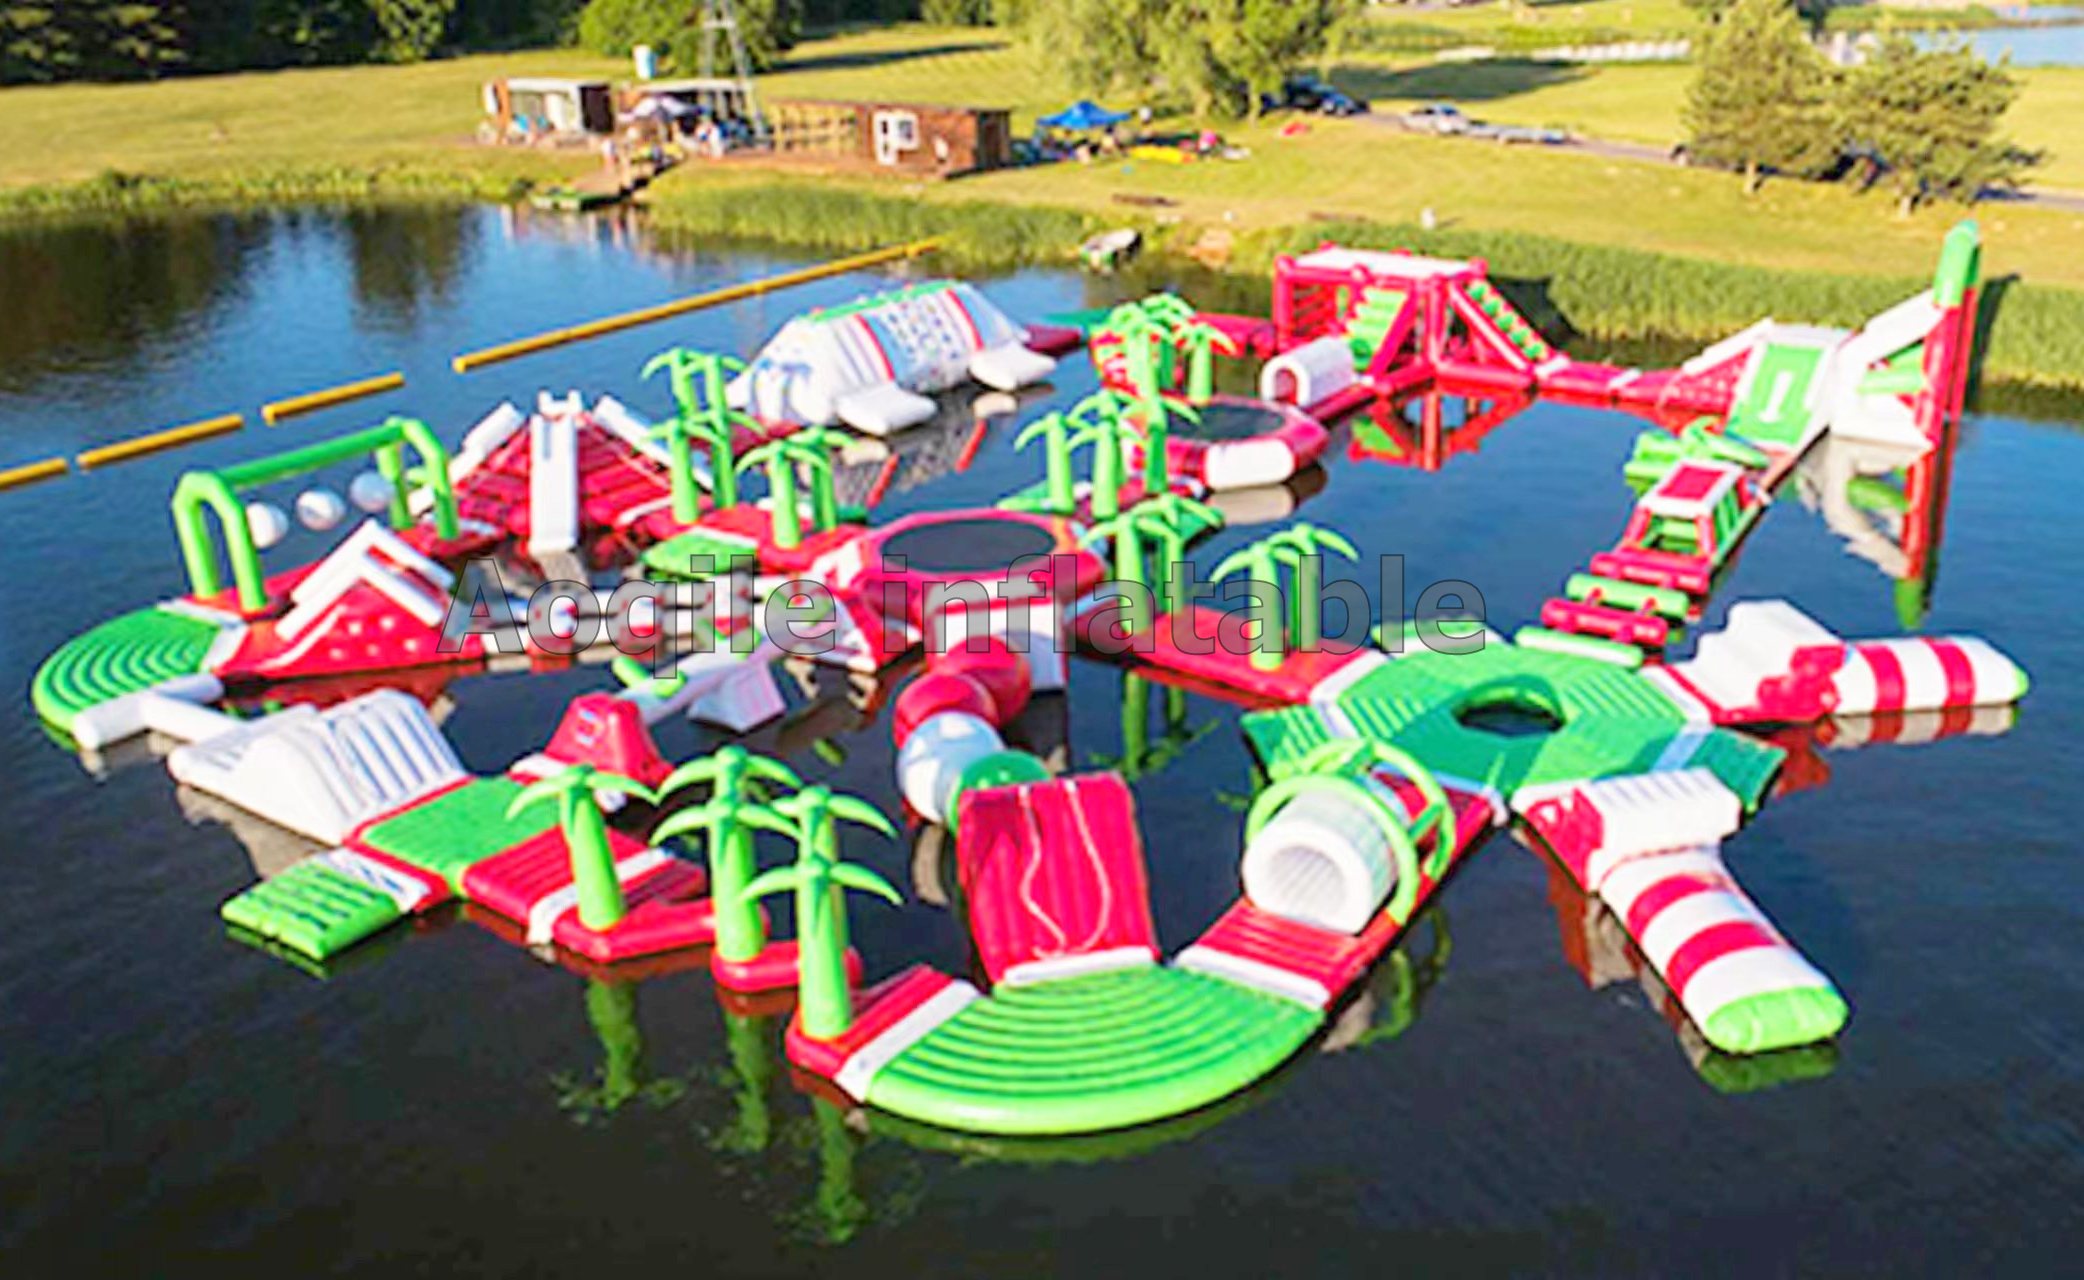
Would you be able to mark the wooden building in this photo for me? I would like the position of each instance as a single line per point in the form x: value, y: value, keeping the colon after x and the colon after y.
x: 907, y: 137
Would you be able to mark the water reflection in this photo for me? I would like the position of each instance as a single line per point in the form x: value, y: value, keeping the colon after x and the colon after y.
x: 1888, y: 505
x: 97, y: 296
x: 407, y: 262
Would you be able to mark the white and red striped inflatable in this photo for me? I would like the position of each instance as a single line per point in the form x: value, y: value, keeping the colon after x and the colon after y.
x: 1648, y: 846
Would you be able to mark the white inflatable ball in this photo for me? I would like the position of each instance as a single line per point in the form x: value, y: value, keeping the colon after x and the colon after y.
x: 268, y: 523
x: 370, y: 492
x: 320, y: 509
x: 933, y: 758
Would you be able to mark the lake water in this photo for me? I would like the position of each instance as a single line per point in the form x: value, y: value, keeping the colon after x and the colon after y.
x: 2057, y: 42
x: 445, y: 1104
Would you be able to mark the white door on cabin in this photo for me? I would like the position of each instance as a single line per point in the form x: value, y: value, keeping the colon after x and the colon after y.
x: 896, y: 133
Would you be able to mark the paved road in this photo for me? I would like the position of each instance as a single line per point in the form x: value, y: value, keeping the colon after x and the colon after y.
x: 2067, y: 201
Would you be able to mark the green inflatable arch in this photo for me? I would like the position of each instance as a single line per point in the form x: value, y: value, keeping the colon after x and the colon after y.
x: 218, y: 491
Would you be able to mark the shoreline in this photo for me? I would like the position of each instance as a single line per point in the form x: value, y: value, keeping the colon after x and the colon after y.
x: 2033, y: 335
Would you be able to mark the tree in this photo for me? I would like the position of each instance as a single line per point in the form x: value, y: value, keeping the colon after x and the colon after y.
x: 1931, y: 116
x: 411, y: 29
x: 674, y: 29
x: 1260, y: 41
x: 956, y: 13
x: 1297, y: 547
x: 1215, y: 53
x: 820, y: 881
x: 601, y: 905
x: 1098, y: 419
x: 1761, y: 95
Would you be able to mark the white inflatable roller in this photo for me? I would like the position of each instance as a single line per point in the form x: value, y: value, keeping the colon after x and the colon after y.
x: 882, y: 409
x: 1247, y: 464
x: 370, y: 492
x: 131, y: 714
x: 1322, y: 860
x: 1010, y: 366
x: 1925, y: 673
x: 1306, y: 374
x: 933, y: 758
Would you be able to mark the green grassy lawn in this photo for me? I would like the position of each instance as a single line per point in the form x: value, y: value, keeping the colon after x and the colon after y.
x: 420, y: 120
x: 235, y: 126
x: 1642, y: 103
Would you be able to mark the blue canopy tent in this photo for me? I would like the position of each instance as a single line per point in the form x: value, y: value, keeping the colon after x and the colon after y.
x: 1083, y: 114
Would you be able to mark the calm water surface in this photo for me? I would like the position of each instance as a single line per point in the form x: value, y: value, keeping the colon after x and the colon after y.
x: 443, y: 1103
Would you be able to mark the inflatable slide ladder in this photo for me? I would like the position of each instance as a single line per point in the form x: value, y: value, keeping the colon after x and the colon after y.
x: 1502, y: 323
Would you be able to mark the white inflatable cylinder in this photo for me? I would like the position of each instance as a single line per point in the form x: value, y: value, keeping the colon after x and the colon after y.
x: 182, y: 720
x: 1925, y: 673
x: 1322, y: 860
x: 125, y: 716
x: 1247, y: 464
x: 933, y: 758
x: 1306, y: 374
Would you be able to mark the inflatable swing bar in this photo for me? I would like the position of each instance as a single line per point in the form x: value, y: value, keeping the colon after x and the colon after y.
x: 30, y: 472
x: 311, y: 401
x: 153, y: 442
x: 470, y: 360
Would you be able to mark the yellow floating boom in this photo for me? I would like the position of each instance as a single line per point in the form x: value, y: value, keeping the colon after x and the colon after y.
x: 31, y: 472
x: 153, y: 442
x: 681, y: 306
x: 276, y: 410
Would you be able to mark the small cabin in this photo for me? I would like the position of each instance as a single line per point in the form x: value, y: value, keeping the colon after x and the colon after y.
x: 551, y: 105
x: 906, y: 137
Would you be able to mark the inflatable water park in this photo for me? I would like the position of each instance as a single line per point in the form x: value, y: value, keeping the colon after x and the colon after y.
x: 685, y: 566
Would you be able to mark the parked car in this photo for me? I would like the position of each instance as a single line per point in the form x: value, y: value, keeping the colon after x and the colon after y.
x: 1516, y: 134
x: 1435, y: 117
x: 1305, y: 93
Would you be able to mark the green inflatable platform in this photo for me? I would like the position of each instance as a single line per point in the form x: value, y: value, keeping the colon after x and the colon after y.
x: 1104, y: 1051
x: 126, y: 654
x: 1580, y: 719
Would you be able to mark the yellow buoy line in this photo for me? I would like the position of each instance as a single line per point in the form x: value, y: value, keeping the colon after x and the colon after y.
x: 154, y: 441
x: 277, y: 410
x: 470, y: 360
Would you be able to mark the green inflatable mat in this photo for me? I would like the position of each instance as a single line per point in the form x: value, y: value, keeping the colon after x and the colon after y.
x: 1104, y: 1051
x: 1611, y: 722
x: 457, y: 828
x: 311, y: 909
x: 126, y: 654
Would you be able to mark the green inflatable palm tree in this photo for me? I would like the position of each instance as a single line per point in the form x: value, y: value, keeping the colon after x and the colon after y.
x: 1202, y: 340
x: 820, y: 881
x: 781, y: 457
x: 1098, y: 424
x: 1301, y: 547
x: 697, y: 380
x: 1127, y: 532
x: 1170, y: 521
x: 737, y: 779
x: 586, y: 835
x: 1054, y: 430
x: 1263, y: 618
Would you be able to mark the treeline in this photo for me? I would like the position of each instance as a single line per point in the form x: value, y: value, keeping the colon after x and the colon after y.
x: 42, y: 41
x: 48, y: 40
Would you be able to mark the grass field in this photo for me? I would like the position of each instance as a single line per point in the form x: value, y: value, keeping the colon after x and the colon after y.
x: 416, y: 122
x: 1642, y: 103
x: 234, y: 127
